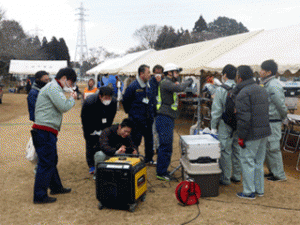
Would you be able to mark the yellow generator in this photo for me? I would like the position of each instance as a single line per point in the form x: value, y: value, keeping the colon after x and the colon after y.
x: 120, y: 182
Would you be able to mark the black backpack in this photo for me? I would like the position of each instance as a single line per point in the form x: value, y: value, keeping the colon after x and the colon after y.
x: 229, y: 115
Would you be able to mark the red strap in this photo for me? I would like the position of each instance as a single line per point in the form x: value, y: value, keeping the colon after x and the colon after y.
x: 45, y: 128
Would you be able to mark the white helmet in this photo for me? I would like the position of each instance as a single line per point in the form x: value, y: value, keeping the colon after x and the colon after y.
x: 171, y: 67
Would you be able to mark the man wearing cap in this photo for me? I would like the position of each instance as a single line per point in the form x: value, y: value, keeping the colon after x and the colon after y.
x: 166, y: 114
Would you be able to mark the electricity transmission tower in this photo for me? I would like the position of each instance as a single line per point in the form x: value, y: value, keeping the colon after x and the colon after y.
x: 81, y: 52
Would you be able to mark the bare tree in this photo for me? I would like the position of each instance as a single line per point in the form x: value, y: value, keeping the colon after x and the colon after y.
x: 136, y: 49
x: 147, y: 35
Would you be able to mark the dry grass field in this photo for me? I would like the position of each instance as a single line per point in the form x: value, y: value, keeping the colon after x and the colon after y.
x: 280, y: 205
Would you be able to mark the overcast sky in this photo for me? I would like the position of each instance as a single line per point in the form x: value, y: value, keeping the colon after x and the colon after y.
x: 111, y: 23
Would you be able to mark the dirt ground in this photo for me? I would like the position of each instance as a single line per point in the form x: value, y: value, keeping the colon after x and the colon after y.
x: 280, y: 205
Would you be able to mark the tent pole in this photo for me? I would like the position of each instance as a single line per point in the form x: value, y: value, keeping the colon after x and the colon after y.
x: 199, y: 103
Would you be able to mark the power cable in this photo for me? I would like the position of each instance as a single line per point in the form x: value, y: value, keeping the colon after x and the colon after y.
x: 268, y: 206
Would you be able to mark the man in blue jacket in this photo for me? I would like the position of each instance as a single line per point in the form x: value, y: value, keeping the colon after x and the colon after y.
x: 41, y: 79
x: 139, y: 102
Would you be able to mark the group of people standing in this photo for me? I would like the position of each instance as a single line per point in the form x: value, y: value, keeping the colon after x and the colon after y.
x: 260, y: 111
x: 152, y: 106
x: 141, y: 104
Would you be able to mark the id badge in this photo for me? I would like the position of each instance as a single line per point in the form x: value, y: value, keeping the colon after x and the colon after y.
x: 104, y: 120
x: 145, y: 100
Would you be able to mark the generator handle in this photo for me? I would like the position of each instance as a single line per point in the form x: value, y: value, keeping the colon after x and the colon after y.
x: 131, y: 155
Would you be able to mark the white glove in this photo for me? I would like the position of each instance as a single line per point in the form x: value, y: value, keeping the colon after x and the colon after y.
x: 96, y: 133
x: 206, y: 130
x: 214, y: 131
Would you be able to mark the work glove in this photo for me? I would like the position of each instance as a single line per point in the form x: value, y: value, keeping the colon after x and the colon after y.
x: 214, y: 131
x: 241, y: 143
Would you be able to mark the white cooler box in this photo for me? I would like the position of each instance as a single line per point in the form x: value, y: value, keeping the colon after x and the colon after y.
x: 195, y: 147
x: 200, y: 161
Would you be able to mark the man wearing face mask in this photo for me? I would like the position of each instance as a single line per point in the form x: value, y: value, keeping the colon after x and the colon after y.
x: 166, y: 114
x: 41, y: 79
x: 158, y: 74
x: 98, y: 112
x: 50, y: 106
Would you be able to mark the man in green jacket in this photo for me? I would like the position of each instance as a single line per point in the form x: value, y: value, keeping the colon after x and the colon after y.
x: 50, y: 106
x: 277, y: 113
x: 230, y: 149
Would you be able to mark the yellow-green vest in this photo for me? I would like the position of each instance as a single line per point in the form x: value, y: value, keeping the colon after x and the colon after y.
x: 174, y: 106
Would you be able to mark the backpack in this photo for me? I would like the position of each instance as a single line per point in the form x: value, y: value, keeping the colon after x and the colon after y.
x: 229, y: 115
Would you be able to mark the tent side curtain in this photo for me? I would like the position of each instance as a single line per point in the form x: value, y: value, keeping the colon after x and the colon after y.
x: 30, y: 67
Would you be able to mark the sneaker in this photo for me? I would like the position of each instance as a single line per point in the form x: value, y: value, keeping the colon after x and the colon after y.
x: 92, y: 170
x: 275, y: 179
x: 151, y: 163
x: 233, y: 180
x: 165, y: 177
x: 268, y: 175
x: 45, y: 201
x: 245, y: 196
x: 259, y: 194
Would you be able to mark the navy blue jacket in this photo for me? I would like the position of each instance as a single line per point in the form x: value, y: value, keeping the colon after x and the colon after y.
x: 134, y: 104
x: 31, y: 100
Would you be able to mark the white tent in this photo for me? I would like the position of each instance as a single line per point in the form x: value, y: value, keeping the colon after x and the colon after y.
x: 30, y: 67
x: 191, y: 57
x: 281, y: 45
x: 113, y: 66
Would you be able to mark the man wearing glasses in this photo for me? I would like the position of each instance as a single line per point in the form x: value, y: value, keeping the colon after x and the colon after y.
x: 50, y: 106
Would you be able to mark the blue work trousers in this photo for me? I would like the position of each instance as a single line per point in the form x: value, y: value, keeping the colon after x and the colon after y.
x: 46, y: 175
x: 164, y: 127
x: 252, y: 163
x: 274, y: 155
x: 143, y: 129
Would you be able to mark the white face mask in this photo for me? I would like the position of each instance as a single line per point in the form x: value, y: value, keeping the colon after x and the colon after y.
x: 106, y: 102
x: 223, y: 80
x: 68, y: 89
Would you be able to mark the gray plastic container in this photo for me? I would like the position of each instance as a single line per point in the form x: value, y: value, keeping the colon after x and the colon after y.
x: 207, y: 176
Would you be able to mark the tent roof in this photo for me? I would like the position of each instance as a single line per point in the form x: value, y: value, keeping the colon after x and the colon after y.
x: 191, y: 57
x: 282, y: 45
x: 30, y: 67
x: 113, y: 66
